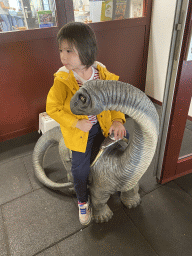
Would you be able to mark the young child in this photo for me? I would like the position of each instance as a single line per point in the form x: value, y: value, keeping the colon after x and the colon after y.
x: 78, y: 50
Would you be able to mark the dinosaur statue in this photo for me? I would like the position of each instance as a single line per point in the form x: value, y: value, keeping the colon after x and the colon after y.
x: 114, y: 169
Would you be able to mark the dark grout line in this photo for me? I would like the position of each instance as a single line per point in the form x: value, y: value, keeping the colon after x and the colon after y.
x: 14, y: 158
x: 28, y: 175
x: 181, y: 188
x: 5, y: 235
x: 147, y: 193
x: 59, y: 241
x: 18, y: 197
x: 139, y: 231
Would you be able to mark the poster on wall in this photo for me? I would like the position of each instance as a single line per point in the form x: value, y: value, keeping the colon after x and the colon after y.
x: 120, y: 9
x: 45, y: 19
x: 107, y: 10
x: 136, y: 8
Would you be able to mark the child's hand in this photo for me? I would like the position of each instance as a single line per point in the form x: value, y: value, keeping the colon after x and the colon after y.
x: 118, y: 129
x: 84, y: 125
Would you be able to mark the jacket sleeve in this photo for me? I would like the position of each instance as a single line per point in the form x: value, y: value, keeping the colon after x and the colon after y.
x: 117, y: 115
x: 55, y: 105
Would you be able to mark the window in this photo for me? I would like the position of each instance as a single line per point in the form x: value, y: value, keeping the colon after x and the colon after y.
x: 189, y: 47
x: 96, y: 10
x: 18, y: 15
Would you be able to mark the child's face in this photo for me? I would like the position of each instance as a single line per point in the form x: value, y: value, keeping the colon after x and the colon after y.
x: 69, y: 57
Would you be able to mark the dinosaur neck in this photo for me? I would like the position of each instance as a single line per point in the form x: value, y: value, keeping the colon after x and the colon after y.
x: 137, y: 157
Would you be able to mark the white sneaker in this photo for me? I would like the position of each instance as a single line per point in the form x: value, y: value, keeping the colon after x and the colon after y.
x: 85, y: 213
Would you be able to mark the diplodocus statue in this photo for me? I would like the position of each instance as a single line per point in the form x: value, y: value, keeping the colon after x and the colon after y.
x: 115, y: 169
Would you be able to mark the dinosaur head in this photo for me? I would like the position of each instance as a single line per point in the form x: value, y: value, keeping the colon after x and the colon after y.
x: 87, y: 100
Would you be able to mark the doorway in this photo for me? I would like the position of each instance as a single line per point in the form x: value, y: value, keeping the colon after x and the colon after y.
x: 173, y: 158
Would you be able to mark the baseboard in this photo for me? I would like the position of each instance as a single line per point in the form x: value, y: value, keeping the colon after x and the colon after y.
x: 160, y: 104
x: 155, y: 101
x: 15, y: 134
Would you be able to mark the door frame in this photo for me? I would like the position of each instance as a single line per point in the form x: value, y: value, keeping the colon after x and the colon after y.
x: 177, y: 98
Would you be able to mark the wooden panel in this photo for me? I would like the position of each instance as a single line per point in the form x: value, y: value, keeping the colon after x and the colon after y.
x: 28, y: 35
x: 30, y: 58
x: 122, y: 52
x: 26, y: 75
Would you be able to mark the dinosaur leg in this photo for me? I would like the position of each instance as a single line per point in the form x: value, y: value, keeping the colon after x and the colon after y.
x: 131, y: 198
x: 101, y: 211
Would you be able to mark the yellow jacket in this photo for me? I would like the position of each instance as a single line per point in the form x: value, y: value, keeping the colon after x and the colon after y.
x: 58, y: 108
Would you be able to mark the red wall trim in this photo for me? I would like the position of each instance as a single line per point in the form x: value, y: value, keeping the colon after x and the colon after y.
x: 175, y: 176
x: 155, y: 101
x: 28, y: 35
x: 118, y: 24
x: 17, y: 133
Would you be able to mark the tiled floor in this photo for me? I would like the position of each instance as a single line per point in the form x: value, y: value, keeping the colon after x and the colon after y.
x: 35, y: 220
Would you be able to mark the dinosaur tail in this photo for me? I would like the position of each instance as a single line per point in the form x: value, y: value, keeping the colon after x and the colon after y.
x: 42, y: 145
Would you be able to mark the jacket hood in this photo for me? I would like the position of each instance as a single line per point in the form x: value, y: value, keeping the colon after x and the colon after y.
x: 63, y: 74
x: 67, y: 76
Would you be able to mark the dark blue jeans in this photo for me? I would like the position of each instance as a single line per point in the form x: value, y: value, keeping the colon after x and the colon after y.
x: 81, y: 162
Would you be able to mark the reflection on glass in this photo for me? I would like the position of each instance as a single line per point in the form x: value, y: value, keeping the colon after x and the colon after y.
x: 95, y: 10
x: 26, y: 14
x: 186, y: 146
x: 189, y: 50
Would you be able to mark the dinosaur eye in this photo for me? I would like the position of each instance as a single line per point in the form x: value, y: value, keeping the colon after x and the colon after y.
x: 82, y: 98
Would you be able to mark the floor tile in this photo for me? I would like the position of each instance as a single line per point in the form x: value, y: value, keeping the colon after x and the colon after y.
x: 164, y: 218
x: 114, y: 202
x: 117, y: 237
x: 189, y: 125
x: 14, y: 181
x: 3, y: 248
x: 16, y: 147
x: 185, y: 183
x: 53, y: 251
x: 148, y: 181
x: 39, y: 220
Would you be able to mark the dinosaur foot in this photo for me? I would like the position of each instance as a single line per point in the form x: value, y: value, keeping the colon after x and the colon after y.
x: 102, y: 215
x: 131, y: 202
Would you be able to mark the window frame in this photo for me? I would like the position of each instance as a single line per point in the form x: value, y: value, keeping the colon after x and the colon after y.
x: 65, y: 14
x: 62, y: 7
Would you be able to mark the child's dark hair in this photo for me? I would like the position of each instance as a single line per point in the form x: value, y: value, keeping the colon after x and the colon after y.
x: 83, y: 38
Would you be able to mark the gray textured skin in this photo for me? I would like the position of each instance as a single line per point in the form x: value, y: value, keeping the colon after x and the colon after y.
x: 115, y: 170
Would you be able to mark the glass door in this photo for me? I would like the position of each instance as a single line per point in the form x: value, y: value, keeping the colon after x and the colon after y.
x: 174, y: 155
x: 186, y: 146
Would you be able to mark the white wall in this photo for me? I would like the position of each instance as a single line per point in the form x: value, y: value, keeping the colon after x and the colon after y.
x: 163, y: 13
x: 190, y: 109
